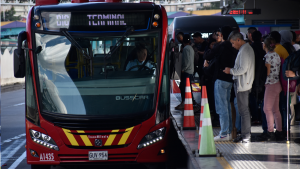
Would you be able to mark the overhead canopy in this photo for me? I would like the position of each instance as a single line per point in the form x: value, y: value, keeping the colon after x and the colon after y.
x: 178, y: 14
x: 194, y: 13
x: 207, y: 12
x: 216, y: 12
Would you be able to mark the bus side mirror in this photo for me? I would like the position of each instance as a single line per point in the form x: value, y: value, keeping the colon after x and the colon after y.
x: 19, y: 57
x: 19, y: 65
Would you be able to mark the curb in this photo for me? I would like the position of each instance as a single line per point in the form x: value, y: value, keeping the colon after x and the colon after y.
x: 12, y: 87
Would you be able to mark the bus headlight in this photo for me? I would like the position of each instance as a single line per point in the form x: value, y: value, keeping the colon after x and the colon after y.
x: 43, y: 139
x: 152, y: 138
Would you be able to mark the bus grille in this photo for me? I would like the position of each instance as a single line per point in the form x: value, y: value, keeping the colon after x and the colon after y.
x: 69, y: 158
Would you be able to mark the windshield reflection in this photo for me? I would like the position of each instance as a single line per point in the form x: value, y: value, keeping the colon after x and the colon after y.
x: 52, y: 73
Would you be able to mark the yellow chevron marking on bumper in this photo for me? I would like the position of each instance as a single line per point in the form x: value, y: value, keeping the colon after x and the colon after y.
x: 84, y: 138
x: 70, y: 137
x: 111, y: 138
x: 125, y: 136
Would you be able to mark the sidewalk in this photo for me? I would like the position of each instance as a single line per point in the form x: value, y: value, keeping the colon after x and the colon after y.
x: 12, y: 87
x: 275, y: 155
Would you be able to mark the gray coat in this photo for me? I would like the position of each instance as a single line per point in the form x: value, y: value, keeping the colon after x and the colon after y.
x: 244, y: 68
x: 188, y: 59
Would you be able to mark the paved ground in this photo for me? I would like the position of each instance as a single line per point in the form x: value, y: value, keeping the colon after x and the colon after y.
x: 13, y: 129
x: 254, y: 155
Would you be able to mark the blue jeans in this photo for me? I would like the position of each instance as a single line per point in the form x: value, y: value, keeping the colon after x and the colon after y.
x: 238, y: 116
x: 223, y: 107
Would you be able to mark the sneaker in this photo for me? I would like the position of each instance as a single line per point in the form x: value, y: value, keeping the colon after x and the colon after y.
x: 271, y: 136
x: 262, y: 137
x: 229, y: 136
x: 279, y: 135
x: 180, y: 106
x: 240, y: 139
x: 221, y: 138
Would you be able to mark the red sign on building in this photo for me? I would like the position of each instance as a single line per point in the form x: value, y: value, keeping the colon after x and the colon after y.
x: 244, y: 11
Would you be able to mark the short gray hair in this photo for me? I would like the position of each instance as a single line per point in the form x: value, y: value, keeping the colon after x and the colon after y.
x: 234, y: 35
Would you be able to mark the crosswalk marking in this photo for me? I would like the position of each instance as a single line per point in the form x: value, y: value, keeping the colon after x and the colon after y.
x: 14, y: 138
x: 11, y: 150
x: 18, y: 161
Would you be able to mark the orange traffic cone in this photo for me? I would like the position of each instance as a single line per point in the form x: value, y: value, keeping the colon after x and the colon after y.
x: 175, y: 87
x: 188, y: 119
x: 203, y: 102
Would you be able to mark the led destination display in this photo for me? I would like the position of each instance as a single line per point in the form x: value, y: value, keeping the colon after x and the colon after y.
x: 53, y: 21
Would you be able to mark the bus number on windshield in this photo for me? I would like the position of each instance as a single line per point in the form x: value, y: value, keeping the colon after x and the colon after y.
x: 131, y: 97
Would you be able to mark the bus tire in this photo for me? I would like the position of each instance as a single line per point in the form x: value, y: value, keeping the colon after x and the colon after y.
x: 40, y: 166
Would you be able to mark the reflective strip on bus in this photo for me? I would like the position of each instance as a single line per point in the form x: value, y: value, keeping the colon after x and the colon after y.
x: 84, y: 138
x: 125, y: 136
x: 111, y: 138
x: 70, y: 137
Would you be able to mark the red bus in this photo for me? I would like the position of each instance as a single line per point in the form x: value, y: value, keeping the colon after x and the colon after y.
x: 97, y: 83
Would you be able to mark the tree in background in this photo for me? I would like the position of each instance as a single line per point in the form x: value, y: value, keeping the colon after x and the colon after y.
x: 9, y: 15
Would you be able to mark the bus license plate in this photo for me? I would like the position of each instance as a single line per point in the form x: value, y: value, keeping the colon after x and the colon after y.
x: 98, y: 155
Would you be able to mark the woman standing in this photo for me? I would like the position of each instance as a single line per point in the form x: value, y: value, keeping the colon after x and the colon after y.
x: 273, y: 88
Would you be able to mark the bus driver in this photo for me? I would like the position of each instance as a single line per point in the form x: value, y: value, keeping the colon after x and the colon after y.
x: 141, y: 53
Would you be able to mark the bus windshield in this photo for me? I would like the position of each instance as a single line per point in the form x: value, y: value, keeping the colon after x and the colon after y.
x: 97, y: 83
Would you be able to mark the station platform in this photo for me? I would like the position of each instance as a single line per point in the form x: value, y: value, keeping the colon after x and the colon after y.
x: 254, y: 155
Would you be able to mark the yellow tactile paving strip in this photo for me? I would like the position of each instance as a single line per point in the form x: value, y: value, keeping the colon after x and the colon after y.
x: 224, y: 163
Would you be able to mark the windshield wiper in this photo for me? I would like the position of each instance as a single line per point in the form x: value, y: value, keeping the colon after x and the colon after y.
x: 74, y: 43
x: 129, y: 30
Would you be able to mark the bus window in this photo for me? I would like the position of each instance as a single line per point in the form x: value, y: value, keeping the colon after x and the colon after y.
x: 71, y: 83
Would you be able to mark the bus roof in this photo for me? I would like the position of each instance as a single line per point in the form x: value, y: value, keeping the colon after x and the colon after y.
x: 191, y: 24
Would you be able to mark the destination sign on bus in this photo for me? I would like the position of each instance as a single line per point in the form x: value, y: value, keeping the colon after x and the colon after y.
x: 94, y: 21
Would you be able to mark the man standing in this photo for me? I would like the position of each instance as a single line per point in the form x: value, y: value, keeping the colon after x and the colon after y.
x: 179, y: 37
x: 187, y: 68
x: 243, y: 76
x: 226, y: 56
x: 295, y: 41
x: 200, y: 45
x: 249, y: 34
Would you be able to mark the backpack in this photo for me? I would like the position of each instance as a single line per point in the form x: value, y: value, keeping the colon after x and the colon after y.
x: 292, y: 63
x: 260, y: 73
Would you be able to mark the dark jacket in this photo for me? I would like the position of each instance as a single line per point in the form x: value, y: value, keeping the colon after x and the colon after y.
x: 226, y: 58
x: 258, y: 85
x: 289, y: 48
